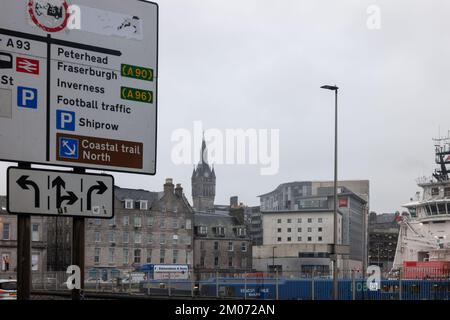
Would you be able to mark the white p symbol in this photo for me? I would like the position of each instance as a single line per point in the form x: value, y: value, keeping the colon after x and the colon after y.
x: 27, y: 95
x: 66, y: 118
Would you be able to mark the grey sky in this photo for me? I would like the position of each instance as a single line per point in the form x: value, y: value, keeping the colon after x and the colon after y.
x: 259, y: 64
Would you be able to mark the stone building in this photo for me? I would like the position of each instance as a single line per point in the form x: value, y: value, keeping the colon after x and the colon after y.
x: 203, y: 183
x: 148, y: 227
x: 221, y: 243
x: 8, y: 241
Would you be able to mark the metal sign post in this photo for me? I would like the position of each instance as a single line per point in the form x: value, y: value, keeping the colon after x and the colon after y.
x: 78, y: 89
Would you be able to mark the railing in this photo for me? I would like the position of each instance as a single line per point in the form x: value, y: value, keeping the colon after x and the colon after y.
x: 283, y: 285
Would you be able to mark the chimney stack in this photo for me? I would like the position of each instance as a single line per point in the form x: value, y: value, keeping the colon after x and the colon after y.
x: 179, y: 190
x: 168, y: 186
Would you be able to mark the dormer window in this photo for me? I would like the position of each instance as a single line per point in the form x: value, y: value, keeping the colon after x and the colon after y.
x: 220, y: 231
x: 241, y: 231
x: 129, y: 204
x: 143, y: 205
x: 202, y: 230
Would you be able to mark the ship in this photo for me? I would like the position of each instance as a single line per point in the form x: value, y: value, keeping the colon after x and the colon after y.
x: 423, y: 247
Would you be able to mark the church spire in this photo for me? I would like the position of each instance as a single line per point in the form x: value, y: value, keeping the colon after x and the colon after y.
x: 204, y: 151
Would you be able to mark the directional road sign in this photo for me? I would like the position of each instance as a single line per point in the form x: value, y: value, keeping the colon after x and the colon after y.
x: 46, y: 192
x: 78, y: 83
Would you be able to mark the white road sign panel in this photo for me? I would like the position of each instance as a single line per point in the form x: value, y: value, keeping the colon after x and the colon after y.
x: 46, y: 192
x: 78, y: 83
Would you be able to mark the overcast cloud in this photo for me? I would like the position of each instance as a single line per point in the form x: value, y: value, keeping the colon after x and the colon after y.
x: 259, y: 64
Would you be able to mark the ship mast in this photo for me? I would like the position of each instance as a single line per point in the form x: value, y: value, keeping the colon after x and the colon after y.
x: 442, y: 150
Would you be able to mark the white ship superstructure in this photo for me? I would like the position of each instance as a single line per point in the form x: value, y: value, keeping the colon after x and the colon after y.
x: 425, y: 231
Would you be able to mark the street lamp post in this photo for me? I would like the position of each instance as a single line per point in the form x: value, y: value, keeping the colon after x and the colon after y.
x: 335, y: 215
x: 273, y: 258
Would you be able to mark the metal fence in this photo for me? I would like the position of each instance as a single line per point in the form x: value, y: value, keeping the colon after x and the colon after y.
x: 420, y: 284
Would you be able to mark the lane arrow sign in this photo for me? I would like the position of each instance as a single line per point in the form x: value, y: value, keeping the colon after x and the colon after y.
x: 24, y: 183
x: 71, y: 197
x: 101, y: 189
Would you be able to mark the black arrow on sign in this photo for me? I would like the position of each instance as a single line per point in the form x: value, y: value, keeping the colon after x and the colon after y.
x: 24, y: 183
x: 60, y: 184
x: 100, y: 187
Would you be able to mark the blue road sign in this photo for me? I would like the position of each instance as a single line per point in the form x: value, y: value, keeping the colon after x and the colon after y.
x: 65, y: 120
x: 27, y: 98
x: 68, y: 148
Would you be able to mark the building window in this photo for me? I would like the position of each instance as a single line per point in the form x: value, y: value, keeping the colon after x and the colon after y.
x: 202, y: 230
x: 35, y: 232
x: 129, y: 204
x: 150, y: 238
x: 175, y: 256
x: 289, y: 230
x: 111, y: 256
x: 112, y: 221
x: 279, y: 239
x: 299, y: 220
x: 220, y: 231
x: 230, y: 246
x: 150, y: 221
x: 299, y: 239
x: 98, y: 222
x: 126, y: 259
x: 244, y: 262
x: 202, y: 261
x: 309, y: 239
x: 320, y: 220
x: 230, y: 262
x: 137, y: 255
x: 175, y: 223
x: 289, y: 220
x: 310, y: 220
x: 162, y: 223
x: 279, y: 221
x: 126, y: 220
x: 126, y: 237
x: 188, y: 224
x: 35, y: 262
x: 319, y: 238
x: 137, y: 222
x: 97, y: 236
x: 434, y: 191
x: 97, y: 252
x: 319, y: 229
x: 149, y: 255
x: 289, y: 239
x: 216, y: 245
x: 175, y: 239
x: 244, y: 247
x: 279, y: 230
x: 143, y: 204
x: 216, y: 261
x: 309, y: 229
x: 162, y: 255
x: 162, y: 239
x: 447, y: 192
x: 112, y: 237
x: 299, y: 230
x: 137, y: 238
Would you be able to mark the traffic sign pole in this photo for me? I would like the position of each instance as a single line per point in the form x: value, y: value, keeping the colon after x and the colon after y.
x: 24, y: 253
x: 78, y: 248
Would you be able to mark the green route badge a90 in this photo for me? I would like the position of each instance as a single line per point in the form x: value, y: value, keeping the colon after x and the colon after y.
x: 49, y: 15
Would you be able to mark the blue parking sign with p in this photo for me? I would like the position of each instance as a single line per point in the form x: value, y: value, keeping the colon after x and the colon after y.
x: 68, y: 148
x: 27, y: 98
x: 65, y: 120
